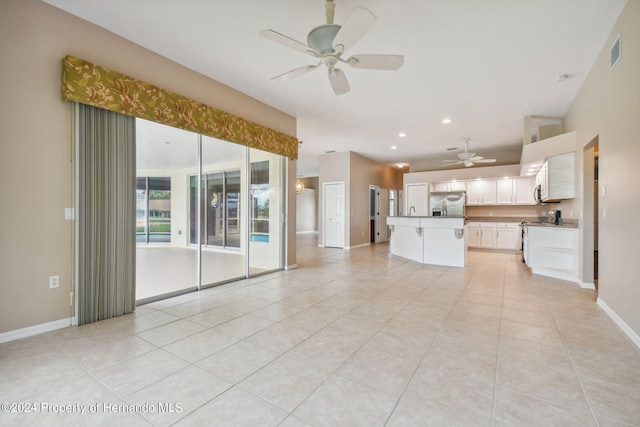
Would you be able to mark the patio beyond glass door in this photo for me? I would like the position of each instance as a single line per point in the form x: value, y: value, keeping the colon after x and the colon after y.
x: 265, y: 212
x: 223, y: 251
x: 220, y: 223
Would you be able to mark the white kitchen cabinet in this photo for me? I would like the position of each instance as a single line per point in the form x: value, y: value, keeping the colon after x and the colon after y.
x: 523, y: 190
x: 553, y: 251
x: 481, y: 192
x: 515, y: 191
x: 481, y: 235
x: 508, y: 236
x: 450, y: 186
x: 556, y: 178
x: 416, y: 199
x: 504, y: 191
x: 561, y: 180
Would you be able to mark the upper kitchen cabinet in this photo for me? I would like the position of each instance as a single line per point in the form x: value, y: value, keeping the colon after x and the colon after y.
x: 481, y: 192
x: 523, y: 190
x: 504, y: 191
x: 515, y: 191
x: 450, y: 186
x: 557, y: 178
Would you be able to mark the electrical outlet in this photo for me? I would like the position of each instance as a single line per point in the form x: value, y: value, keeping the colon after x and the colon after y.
x: 69, y: 214
x: 54, y: 282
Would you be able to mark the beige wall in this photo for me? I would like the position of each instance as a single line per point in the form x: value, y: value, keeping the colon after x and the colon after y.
x: 333, y: 167
x: 357, y: 172
x: 36, y: 162
x: 608, y: 106
x: 363, y: 173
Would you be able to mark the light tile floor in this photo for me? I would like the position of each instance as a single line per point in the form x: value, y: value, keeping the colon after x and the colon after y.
x: 349, y: 338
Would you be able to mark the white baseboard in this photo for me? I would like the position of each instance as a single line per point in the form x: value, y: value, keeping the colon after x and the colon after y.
x: 556, y: 274
x: 585, y: 285
x: 621, y: 323
x: 291, y: 267
x: 358, y: 246
x: 307, y: 232
x: 35, y: 330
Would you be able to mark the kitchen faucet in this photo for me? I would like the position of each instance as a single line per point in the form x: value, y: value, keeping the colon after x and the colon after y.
x: 414, y: 210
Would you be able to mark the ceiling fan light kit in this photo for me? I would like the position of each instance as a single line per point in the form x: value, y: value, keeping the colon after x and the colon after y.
x: 329, y: 41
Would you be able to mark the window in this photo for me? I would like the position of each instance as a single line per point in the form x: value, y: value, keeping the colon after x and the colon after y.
x: 153, y: 210
x: 260, y: 201
x: 220, y: 222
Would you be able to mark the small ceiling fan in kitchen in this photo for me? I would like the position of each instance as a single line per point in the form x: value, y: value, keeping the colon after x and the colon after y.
x: 467, y: 159
x: 327, y: 43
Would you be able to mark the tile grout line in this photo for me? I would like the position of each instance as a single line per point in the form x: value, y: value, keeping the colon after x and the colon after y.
x: 428, y: 347
x: 573, y: 365
x: 495, y: 379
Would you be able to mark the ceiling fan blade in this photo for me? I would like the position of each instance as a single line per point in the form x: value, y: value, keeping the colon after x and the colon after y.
x: 376, y: 62
x: 356, y: 25
x: 485, y: 161
x: 339, y: 82
x: 295, y: 73
x: 288, y: 41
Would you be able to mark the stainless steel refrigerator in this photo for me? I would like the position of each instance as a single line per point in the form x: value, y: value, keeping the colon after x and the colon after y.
x: 447, y: 203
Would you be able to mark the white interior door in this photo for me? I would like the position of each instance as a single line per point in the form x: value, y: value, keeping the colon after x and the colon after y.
x: 382, y: 212
x: 334, y: 214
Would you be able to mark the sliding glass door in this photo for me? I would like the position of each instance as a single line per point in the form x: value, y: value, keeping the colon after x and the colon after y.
x: 223, y: 180
x: 208, y: 211
x: 266, y: 207
x: 165, y: 262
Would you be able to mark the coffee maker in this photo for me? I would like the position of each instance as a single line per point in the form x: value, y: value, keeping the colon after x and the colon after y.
x: 555, y: 216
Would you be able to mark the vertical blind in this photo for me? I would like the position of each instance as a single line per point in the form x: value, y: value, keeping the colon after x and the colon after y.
x: 106, y: 214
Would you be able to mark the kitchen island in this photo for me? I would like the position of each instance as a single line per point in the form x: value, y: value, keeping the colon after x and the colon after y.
x: 429, y: 239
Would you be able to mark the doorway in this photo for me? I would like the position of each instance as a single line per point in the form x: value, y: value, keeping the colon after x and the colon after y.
x: 590, y: 214
x: 379, y: 208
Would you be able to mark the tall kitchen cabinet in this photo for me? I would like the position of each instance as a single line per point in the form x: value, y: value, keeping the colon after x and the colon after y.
x: 416, y: 199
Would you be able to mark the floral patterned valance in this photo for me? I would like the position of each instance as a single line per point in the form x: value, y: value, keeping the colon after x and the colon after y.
x: 100, y: 87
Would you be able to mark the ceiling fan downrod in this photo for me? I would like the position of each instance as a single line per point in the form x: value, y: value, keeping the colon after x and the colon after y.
x: 330, y: 7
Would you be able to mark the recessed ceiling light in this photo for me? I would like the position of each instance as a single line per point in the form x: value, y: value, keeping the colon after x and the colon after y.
x: 394, y: 147
x: 330, y: 151
x: 562, y: 77
x: 168, y: 142
x: 452, y: 148
x: 402, y: 134
x: 400, y: 165
x: 446, y: 120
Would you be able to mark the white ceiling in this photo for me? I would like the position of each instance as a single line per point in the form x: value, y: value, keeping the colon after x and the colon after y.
x: 485, y: 64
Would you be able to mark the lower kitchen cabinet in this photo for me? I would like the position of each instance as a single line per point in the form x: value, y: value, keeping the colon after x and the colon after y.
x: 481, y: 235
x: 508, y: 236
x: 553, y: 251
x: 492, y: 235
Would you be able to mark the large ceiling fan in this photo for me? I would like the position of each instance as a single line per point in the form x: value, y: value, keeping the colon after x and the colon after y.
x: 467, y: 159
x: 328, y: 43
